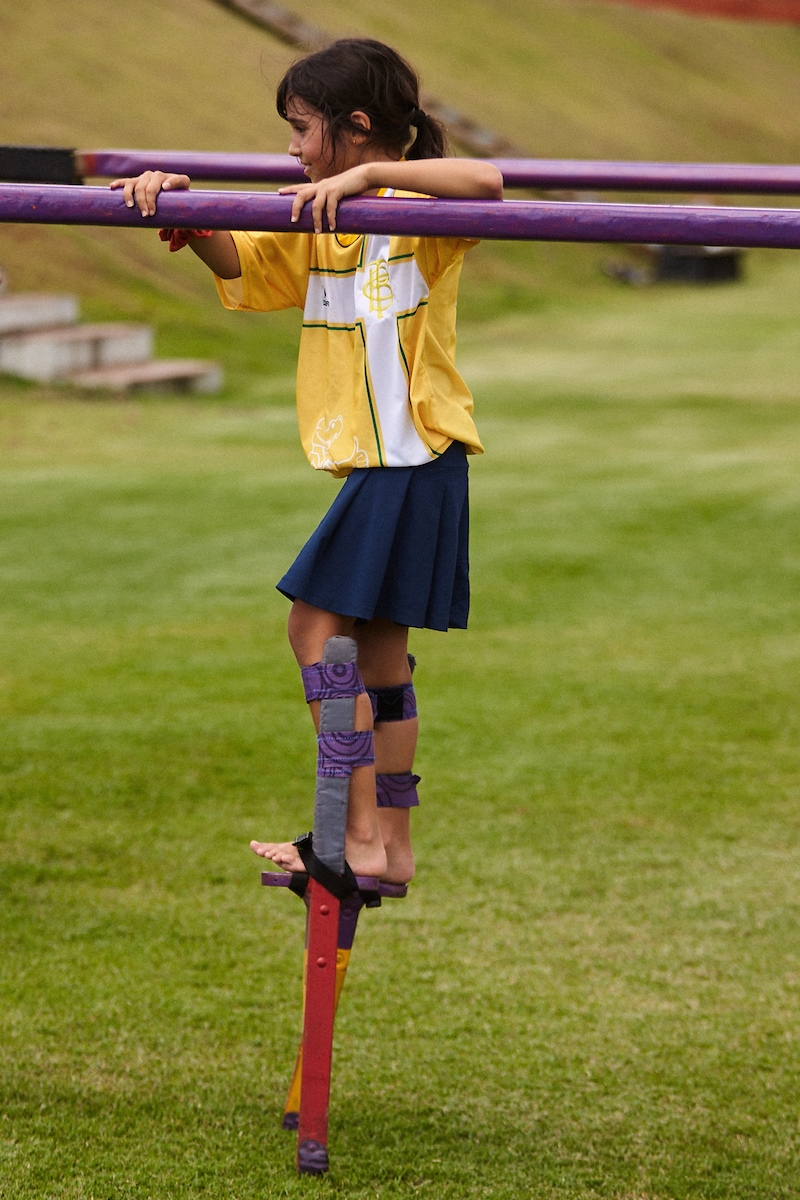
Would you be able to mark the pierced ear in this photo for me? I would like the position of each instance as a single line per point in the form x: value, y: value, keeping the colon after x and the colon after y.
x: 362, y: 121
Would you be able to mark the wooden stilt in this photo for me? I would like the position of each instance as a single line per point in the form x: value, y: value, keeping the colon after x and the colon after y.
x: 308, y: 1099
x: 320, y: 1005
x: 349, y: 911
x: 329, y: 890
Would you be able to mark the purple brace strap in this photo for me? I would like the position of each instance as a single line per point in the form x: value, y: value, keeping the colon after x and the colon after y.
x: 340, y: 752
x: 397, y: 791
x: 329, y: 681
x: 397, y: 703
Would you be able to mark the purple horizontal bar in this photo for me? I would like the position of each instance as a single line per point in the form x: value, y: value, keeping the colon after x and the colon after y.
x: 716, y: 178
x: 199, y: 165
x: 517, y: 172
x: 508, y: 220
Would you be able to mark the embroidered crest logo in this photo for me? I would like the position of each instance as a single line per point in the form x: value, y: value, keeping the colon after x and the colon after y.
x: 378, y: 288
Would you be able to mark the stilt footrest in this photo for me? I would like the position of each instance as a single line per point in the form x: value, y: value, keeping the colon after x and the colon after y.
x: 366, y: 883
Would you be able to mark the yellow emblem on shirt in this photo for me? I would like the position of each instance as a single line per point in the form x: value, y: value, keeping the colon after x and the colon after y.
x: 378, y: 288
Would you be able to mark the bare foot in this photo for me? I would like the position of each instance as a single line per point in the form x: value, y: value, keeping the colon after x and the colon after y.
x: 283, y: 854
x: 396, y: 836
x: 364, y: 858
x: 399, y: 865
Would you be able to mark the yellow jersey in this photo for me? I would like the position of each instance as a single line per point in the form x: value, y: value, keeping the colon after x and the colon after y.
x: 377, y: 384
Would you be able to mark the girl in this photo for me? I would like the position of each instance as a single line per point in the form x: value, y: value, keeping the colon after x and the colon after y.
x: 379, y: 401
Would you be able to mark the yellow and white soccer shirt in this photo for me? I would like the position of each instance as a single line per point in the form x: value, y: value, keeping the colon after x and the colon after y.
x: 376, y: 378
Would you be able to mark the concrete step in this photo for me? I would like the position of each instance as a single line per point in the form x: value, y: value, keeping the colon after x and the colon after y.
x: 51, y: 354
x: 31, y: 310
x: 164, y: 374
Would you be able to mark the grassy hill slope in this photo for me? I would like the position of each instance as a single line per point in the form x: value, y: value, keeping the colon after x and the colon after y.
x: 559, y: 78
x: 569, y: 79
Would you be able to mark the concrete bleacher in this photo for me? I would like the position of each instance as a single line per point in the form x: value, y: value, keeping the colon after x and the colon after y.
x: 42, y: 339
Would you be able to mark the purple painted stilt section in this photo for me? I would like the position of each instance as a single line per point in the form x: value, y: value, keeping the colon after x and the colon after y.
x: 577, y: 174
x: 514, y: 220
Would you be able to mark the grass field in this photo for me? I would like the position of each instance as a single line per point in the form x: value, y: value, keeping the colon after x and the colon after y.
x: 592, y: 989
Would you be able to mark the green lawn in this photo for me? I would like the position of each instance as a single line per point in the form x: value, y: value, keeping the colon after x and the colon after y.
x: 591, y: 990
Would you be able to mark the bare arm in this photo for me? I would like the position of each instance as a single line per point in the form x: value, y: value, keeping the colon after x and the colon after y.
x: 457, y: 178
x: 218, y: 251
x: 465, y: 178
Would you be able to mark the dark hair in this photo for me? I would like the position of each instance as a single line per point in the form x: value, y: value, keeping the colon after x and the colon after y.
x: 359, y: 74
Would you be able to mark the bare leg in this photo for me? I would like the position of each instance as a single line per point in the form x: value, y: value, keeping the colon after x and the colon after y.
x: 309, y: 629
x: 383, y: 661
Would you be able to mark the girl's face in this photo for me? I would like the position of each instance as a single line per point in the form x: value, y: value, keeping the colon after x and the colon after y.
x: 308, y: 140
x: 309, y: 144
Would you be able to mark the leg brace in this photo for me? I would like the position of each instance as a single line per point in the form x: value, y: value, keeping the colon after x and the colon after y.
x: 395, y: 704
x: 336, y: 682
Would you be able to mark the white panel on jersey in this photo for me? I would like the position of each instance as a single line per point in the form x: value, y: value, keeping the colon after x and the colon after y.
x: 382, y: 289
x: 329, y: 298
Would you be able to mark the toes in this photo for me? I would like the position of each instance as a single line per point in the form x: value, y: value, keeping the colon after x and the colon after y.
x: 263, y: 849
x: 283, y: 854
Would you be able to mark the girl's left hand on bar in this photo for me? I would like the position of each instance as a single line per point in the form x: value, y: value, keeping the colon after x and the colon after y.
x: 325, y: 195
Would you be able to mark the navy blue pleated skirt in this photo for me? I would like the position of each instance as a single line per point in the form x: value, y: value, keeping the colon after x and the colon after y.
x: 394, y: 544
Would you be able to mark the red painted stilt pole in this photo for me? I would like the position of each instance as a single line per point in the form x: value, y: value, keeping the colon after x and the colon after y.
x: 312, y: 1072
x: 320, y: 1007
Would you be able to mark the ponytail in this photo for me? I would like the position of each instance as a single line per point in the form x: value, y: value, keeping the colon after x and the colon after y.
x: 431, y: 139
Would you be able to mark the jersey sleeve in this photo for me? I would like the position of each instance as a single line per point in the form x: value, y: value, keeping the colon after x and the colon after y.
x: 274, y: 272
x: 435, y: 255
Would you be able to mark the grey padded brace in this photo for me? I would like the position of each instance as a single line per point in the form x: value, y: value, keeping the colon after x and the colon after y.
x: 336, y: 716
x: 331, y: 795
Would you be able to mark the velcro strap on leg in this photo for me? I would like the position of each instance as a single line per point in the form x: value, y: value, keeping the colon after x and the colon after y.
x: 329, y: 681
x: 393, y: 703
x: 339, y: 753
x: 397, y: 791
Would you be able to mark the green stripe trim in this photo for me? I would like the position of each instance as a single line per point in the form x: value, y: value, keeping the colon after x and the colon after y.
x: 325, y: 325
x: 409, y: 312
x: 401, y: 316
x: 343, y: 270
x: 332, y: 271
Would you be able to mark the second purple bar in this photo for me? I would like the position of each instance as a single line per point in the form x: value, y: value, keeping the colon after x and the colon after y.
x: 574, y: 174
